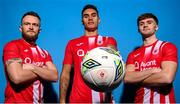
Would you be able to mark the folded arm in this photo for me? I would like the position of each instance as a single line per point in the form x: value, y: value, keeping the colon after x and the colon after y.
x: 166, y: 76
x: 47, y: 72
x: 132, y: 76
x: 16, y: 73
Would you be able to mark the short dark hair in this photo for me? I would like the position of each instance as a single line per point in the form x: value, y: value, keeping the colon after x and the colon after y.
x: 90, y: 6
x: 147, y: 15
x: 32, y: 13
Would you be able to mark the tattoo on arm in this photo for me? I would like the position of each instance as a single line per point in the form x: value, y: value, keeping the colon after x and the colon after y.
x: 17, y: 60
x: 64, y: 87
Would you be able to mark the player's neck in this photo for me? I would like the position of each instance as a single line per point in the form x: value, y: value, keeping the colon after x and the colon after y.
x: 91, y: 33
x: 150, y: 40
x: 30, y: 42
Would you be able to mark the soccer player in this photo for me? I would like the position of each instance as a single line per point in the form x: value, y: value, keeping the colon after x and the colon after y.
x: 26, y: 64
x: 75, y: 50
x: 153, y: 66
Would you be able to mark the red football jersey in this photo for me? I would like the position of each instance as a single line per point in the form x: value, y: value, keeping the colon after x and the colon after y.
x: 32, y: 54
x: 147, y: 57
x: 75, y: 50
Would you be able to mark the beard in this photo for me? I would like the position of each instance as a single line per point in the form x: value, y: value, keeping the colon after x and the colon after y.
x: 30, y: 39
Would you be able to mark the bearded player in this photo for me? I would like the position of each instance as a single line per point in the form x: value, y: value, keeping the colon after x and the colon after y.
x: 27, y: 65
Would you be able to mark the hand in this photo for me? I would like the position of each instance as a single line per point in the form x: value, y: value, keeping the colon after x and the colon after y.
x: 28, y: 66
x: 112, y: 46
x: 156, y: 70
x: 62, y: 101
x: 44, y: 67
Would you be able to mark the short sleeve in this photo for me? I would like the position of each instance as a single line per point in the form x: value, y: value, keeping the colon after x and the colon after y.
x: 68, y: 54
x: 48, y: 57
x: 112, y: 41
x: 169, y: 52
x: 130, y: 59
x: 10, y: 51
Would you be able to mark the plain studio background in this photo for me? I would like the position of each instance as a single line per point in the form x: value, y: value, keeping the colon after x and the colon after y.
x: 61, y: 21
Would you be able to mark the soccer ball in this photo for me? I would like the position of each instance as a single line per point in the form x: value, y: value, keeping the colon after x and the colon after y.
x: 103, y: 69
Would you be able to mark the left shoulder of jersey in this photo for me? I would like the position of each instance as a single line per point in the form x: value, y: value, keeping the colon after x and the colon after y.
x: 168, y: 44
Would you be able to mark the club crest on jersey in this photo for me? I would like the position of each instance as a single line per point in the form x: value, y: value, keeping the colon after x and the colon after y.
x: 100, y: 42
x: 43, y: 55
x: 157, y: 47
x: 155, y: 51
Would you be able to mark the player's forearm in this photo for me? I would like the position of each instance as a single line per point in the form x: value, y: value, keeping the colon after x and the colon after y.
x: 136, y: 76
x: 26, y: 76
x: 64, y: 84
x: 18, y: 75
x: 157, y: 79
x: 164, y: 76
x: 46, y: 74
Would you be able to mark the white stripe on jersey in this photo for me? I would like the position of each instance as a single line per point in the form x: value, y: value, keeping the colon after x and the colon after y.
x: 39, y: 49
x: 147, y: 95
x: 36, y: 92
x: 41, y: 52
x: 34, y: 51
x: 42, y: 87
x: 46, y: 52
x: 148, y: 51
x: 163, y: 45
x: 157, y: 47
x: 91, y: 41
x: 167, y: 99
x: 156, y: 97
x: 95, y: 96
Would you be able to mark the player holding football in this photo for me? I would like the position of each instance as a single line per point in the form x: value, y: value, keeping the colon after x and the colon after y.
x: 27, y: 65
x: 153, y: 66
x: 75, y: 50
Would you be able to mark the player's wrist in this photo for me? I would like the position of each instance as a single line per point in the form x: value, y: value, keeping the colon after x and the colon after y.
x: 62, y: 100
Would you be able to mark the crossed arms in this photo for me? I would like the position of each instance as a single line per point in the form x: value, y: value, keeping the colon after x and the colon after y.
x: 152, y: 77
x: 26, y: 73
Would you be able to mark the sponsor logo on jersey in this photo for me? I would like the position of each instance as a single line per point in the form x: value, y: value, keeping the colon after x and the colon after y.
x: 28, y: 60
x: 80, y: 52
x: 145, y: 65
